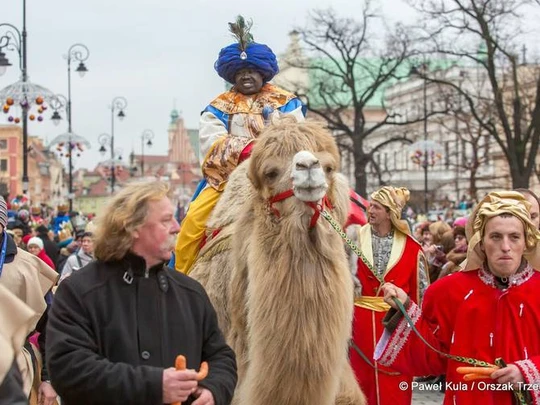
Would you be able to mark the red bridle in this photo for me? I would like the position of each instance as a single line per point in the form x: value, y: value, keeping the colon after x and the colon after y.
x: 317, y: 208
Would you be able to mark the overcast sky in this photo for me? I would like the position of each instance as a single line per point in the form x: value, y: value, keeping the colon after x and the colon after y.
x: 155, y: 53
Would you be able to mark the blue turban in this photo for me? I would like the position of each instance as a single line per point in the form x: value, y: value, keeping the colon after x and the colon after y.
x: 257, y: 56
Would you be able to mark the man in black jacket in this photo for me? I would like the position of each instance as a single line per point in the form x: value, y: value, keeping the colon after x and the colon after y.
x: 117, y: 325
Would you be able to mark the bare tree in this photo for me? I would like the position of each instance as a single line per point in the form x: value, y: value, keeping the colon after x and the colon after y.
x: 483, y: 36
x: 348, y: 70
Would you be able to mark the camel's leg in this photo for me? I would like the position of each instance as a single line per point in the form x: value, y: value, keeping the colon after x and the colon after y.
x: 349, y: 391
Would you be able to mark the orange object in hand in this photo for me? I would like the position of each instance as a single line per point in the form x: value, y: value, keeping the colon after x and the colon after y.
x: 203, y: 372
x: 474, y: 376
x: 180, y: 364
x: 485, y: 371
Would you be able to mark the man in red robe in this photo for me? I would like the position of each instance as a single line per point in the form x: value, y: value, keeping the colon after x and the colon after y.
x: 390, y: 255
x: 487, y: 312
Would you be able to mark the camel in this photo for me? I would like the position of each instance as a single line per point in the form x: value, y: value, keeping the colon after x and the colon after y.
x: 278, y: 275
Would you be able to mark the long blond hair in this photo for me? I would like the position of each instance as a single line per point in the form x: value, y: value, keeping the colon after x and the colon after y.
x: 124, y: 213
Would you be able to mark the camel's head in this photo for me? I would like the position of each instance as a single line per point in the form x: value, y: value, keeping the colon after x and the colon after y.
x: 298, y: 156
x: 309, y: 181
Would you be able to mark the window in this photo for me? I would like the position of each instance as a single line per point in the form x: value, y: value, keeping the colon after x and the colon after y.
x: 3, y: 144
x: 3, y: 165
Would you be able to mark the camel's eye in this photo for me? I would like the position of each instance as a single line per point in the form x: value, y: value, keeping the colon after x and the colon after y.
x: 271, y: 174
x: 329, y: 169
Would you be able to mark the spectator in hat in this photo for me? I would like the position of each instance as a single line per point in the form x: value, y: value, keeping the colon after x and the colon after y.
x: 50, y: 247
x: 35, y: 246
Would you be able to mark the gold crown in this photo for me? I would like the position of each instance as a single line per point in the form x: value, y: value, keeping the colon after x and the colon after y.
x: 62, y: 207
x: 64, y: 234
x: 36, y: 210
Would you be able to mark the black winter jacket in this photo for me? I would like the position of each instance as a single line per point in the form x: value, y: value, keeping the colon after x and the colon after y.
x: 112, y: 330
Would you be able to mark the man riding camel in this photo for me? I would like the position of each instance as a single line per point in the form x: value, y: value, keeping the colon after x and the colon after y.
x: 228, y: 126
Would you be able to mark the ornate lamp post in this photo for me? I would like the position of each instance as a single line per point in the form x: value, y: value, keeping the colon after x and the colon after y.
x: 78, y: 53
x: 118, y: 106
x: 115, y: 162
x: 67, y: 143
x: 147, y: 136
x: 23, y: 93
x: 424, y: 164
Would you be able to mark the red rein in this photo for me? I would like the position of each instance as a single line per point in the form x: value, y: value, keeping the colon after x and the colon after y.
x: 317, y: 208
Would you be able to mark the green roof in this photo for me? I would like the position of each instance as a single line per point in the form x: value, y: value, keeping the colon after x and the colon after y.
x: 366, y: 71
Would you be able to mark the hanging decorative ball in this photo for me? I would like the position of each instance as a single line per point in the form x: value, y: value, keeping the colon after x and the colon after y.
x: 17, y: 120
x: 61, y: 154
x: 24, y: 104
x: 78, y: 155
x: 6, y: 108
x: 40, y: 110
x: 9, y: 101
x: 39, y: 100
x: 44, y: 107
x: 61, y: 144
x: 40, y: 118
x: 32, y: 117
x: 10, y: 118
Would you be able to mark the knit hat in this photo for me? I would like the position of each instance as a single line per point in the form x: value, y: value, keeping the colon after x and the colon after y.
x: 394, y: 199
x: 3, y: 212
x: 35, y: 241
x: 245, y: 54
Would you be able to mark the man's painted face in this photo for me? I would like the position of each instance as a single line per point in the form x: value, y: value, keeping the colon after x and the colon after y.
x: 248, y: 81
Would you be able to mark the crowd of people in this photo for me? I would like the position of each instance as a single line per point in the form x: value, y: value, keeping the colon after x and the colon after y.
x: 62, y: 239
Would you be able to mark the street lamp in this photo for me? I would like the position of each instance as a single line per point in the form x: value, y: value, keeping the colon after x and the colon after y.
x: 416, y: 71
x: 147, y: 136
x: 116, y: 156
x: 67, y: 143
x: 78, y: 53
x: 118, y: 105
x: 22, y: 93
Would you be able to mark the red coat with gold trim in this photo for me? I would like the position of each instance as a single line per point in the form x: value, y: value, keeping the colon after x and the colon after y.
x: 402, y: 270
x: 464, y: 314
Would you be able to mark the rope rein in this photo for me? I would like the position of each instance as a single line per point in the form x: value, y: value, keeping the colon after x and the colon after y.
x: 326, y: 215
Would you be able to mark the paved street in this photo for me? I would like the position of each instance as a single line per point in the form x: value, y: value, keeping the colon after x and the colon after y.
x: 421, y: 397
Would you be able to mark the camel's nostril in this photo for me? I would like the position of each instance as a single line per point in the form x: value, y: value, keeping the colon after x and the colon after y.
x: 314, y: 164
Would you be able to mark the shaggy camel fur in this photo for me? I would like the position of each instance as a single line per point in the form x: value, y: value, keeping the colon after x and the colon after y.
x: 283, y: 291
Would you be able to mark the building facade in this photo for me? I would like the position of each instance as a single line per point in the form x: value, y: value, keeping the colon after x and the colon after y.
x: 45, y: 173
